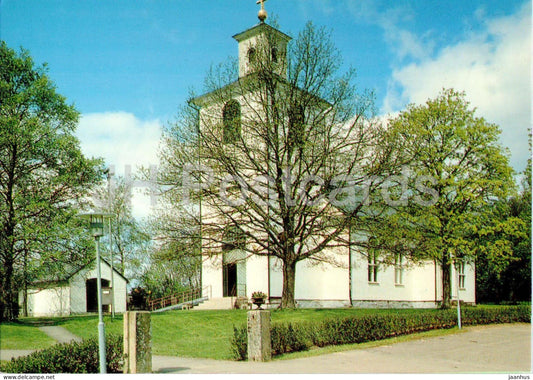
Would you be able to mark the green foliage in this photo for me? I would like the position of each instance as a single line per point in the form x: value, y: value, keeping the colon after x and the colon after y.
x: 467, y: 170
x: 299, y: 336
x: 139, y: 298
x: 71, y: 357
x: 288, y: 337
x: 166, y: 277
x: 45, y: 176
x: 239, y: 343
x: 508, y: 281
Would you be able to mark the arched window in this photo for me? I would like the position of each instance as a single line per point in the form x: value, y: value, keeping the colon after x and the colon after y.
x: 231, y: 117
x: 252, y: 56
x: 296, y: 126
x: 274, y: 54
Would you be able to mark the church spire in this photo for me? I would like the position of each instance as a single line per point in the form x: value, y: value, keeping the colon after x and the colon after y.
x: 262, y: 15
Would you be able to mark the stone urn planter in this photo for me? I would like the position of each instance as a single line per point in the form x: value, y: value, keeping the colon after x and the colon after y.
x: 258, y: 298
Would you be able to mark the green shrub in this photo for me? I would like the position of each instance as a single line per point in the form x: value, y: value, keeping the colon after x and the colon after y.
x: 239, y: 343
x: 74, y: 357
x: 290, y: 337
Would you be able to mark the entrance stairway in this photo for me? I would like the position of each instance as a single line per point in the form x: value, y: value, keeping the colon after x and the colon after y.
x: 216, y: 304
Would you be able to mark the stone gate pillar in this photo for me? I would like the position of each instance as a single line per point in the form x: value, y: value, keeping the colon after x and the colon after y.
x: 137, y: 342
x: 259, y: 344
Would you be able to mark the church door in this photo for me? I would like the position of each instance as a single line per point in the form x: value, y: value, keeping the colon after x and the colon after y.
x: 230, y: 280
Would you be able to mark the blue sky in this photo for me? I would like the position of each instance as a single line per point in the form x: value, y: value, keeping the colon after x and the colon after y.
x: 128, y: 64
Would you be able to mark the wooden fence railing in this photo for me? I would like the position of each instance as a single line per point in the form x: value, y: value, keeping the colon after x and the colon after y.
x: 175, y: 299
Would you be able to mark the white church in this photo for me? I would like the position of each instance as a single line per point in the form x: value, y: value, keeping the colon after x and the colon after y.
x: 356, y: 279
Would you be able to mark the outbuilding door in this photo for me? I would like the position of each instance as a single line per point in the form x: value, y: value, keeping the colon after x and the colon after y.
x: 92, y: 294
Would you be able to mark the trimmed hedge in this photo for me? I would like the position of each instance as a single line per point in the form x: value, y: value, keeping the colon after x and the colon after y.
x: 300, y: 336
x: 74, y: 357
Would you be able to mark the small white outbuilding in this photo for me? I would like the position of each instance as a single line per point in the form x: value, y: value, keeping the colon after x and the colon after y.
x: 75, y: 293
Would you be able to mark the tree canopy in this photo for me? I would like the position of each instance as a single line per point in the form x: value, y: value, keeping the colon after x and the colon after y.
x: 43, y: 173
x: 444, y: 141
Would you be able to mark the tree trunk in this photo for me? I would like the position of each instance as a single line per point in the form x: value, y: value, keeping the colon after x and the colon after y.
x: 8, y: 301
x: 446, y: 284
x: 25, y: 287
x: 289, y: 276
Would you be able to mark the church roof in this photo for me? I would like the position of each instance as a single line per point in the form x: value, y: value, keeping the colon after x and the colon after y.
x: 260, y: 28
x: 236, y: 88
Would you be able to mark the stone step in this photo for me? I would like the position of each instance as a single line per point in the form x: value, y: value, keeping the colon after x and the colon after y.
x: 216, y: 304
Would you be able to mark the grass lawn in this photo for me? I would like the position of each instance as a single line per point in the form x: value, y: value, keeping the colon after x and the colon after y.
x: 86, y: 326
x: 202, y: 334
x: 208, y: 333
x: 17, y: 336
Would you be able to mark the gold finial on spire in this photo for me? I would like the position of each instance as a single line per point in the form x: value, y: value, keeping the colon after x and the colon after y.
x: 262, y: 15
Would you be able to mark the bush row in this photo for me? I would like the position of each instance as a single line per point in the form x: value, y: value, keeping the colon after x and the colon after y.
x: 300, y: 336
x: 74, y: 357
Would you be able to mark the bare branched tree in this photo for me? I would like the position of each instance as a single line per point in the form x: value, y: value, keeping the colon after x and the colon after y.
x: 268, y: 158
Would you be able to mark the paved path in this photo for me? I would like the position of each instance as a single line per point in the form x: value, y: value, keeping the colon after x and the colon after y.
x: 480, y: 349
x: 9, y: 354
x: 60, y: 334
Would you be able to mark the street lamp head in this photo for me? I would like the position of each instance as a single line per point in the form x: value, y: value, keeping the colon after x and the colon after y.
x: 96, y: 222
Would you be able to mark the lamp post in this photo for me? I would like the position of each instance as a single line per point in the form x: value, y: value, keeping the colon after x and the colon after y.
x: 110, y: 173
x: 457, y: 264
x: 96, y: 221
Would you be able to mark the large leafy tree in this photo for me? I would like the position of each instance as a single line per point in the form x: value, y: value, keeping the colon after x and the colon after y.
x: 276, y: 160
x: 509, y: 281
x: 467, y: 170
x: 43, y: 174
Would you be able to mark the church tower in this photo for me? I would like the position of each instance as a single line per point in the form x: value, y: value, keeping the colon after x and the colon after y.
x: 262, y: 45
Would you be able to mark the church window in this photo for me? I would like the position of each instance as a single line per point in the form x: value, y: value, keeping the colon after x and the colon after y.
x: 274, y: 54
x: 231, y: 117
x: 398, y: 269
x: 252, y: 56
x: 373, y: 266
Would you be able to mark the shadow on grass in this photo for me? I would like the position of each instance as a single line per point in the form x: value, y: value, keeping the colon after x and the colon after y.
x: 58, y: 321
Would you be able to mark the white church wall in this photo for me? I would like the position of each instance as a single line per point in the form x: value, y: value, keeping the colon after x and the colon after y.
x: 212, y: 276
x: 468, y: 292
x: 276, y: 277
x: 321, y: 285
x: 256, y: 275
x: 417, y: 287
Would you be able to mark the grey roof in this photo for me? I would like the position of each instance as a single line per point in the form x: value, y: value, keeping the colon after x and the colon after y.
x: 254, y: 30
x: 68, y: 270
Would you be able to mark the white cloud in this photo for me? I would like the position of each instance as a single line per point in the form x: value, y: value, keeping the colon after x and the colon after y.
x: 491, y: 66
x: 123, y: 141
x: 120, y: 138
